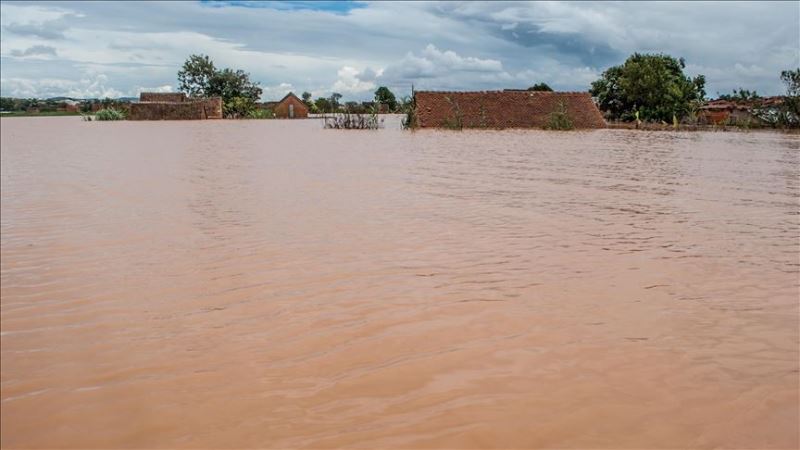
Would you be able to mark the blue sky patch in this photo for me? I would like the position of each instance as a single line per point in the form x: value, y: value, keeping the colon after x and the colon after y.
x: 336, y: 7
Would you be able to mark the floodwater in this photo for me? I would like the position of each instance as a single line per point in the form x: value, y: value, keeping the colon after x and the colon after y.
x: 242, y: 284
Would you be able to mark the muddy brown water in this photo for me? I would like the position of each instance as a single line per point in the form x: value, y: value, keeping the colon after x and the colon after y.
x: 242, y: 284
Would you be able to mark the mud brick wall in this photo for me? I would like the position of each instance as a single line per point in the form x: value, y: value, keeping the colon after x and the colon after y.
x: 207, y: 108
x: 212, y: 107
x: 281, y: 110
x: 162, y: 97
x: 504, y: 109
x: 167, y: 111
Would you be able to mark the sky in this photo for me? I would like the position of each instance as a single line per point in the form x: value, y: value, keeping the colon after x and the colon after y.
x: 117, y: 49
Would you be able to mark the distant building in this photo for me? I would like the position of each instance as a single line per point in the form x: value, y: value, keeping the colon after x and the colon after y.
x: 289, y: 107
x: 504, y: 109
x: 174, y: 106
x: 716, y: 112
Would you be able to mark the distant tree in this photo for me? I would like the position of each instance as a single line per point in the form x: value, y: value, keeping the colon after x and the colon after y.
x: 195, y: 76
x: 742, y: 95
x: 307, y: 98
x: 229, y: 84
x: 7, y: 104
x: 652, y: 85
x: 540, y: 87
x: 384, y: 96
x: 335, y: 97
x: 323, y: 105
x: 200, y: 78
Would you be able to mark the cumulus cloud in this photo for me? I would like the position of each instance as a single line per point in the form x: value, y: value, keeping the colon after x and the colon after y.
x: 352, y: 81
x: 447, y: 45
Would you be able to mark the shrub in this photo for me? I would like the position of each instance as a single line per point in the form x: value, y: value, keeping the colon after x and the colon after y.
x: 109, y: 114
x: 349, y: 121
x: 261, y: 114
x: 559, y: 119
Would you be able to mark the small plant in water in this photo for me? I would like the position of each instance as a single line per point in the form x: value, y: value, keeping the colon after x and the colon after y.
x: 456, y: 122
x: 559, y: 119
x: 109, y: 114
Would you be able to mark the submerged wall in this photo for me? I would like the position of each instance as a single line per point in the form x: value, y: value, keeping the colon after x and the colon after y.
x: 504, y: 109
x: 209, y: 108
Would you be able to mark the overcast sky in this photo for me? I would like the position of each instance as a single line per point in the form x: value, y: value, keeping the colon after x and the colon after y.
x: 99, y: 49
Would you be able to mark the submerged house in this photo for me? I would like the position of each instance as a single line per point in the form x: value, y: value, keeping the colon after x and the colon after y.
x: 174, y: 106
x: 504, y: 109
x: 289, y: 107
x: 758, y: 111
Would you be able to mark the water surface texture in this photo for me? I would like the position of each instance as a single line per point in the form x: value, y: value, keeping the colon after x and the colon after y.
x: 241, y: 284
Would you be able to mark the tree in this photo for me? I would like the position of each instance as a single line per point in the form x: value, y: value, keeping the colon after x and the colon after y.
x: 653, y: 85
x: 195, y: 76
x: 742, y: 95
x: 540, y: 87
x: 384, y: 96
x: 323, y: 104
x: 307, y: 98
x: 200, y: 78
x: 791, y: 104
x: 335, y: 97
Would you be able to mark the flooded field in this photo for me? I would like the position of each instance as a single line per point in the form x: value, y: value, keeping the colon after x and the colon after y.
x: 225, y: 284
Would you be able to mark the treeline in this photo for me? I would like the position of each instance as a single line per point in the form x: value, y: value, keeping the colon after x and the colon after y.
x: 59, y: 104
x: 199, y: 77
x: 654, y: 88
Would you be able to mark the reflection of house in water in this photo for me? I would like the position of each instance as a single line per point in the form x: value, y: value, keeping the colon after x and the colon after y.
x: 289, y: 107
x: 504, y: 109
x: 174, y: 106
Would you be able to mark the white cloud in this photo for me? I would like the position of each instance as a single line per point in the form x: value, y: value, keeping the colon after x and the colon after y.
x: 54, y: 87
x: 352, y: 81
x: 448, y: 45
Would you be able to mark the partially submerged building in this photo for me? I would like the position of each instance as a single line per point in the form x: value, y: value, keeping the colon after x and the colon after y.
x: 504, y: 109
x: 289, y: 107
x: 757, y: 111
x: 174, y: 106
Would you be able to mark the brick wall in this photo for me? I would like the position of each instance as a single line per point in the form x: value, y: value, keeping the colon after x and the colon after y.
x: 504, y: 109
x: 162, y: 97
x: 281, y: 110
x: 208, y: 108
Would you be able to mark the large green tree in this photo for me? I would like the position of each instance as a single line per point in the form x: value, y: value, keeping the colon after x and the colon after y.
x: 195, y: 76
x: 386, y: 97
x: 653, y: 85
x: 200, y: 78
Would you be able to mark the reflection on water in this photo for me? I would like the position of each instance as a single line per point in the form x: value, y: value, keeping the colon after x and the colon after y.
x: 274, y: 284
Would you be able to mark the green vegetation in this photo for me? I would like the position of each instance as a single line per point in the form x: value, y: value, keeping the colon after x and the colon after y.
x: 385, y: 97
x: 259, y: 113
x: 541, y: 87
x: 200, y: 78
x: 109, y: 114
x: 559, y: 118
x: 456, y: 122
x: 742, y: 95
x: 307, y: 100
x: 408, y: 106
x: 791, y: 105
x: 653, y: 85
